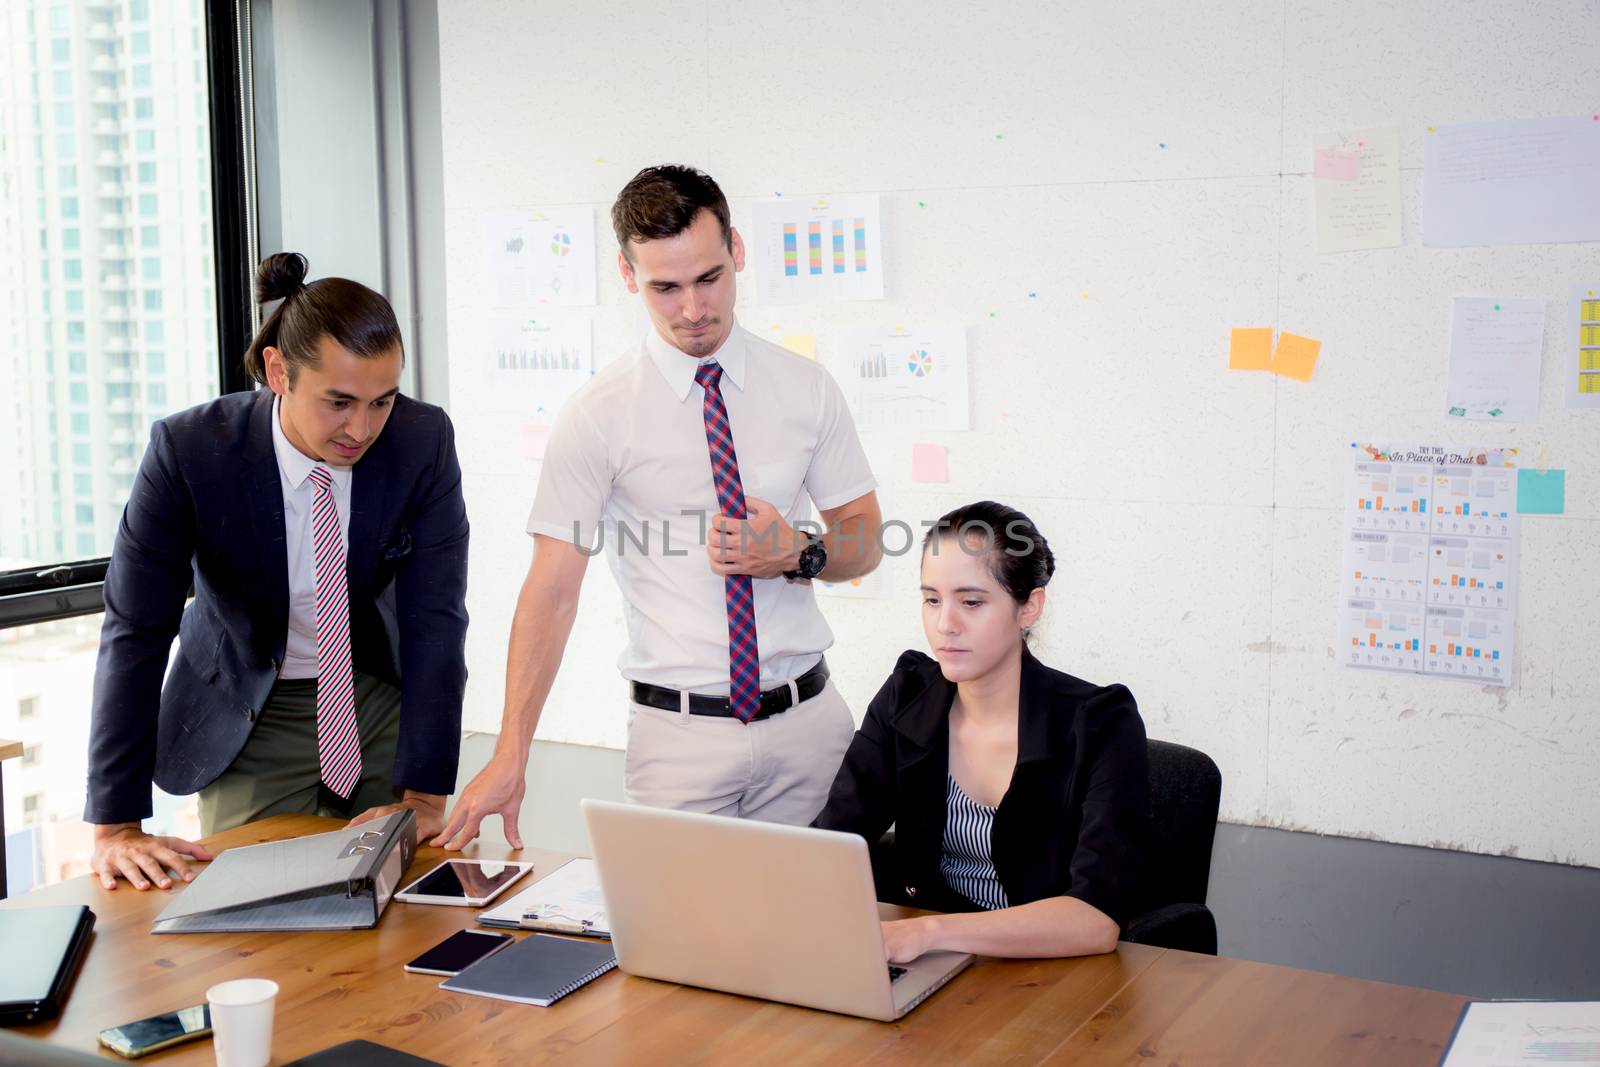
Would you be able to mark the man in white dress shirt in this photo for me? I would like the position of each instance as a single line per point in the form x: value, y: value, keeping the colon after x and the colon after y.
x: 689, y: 462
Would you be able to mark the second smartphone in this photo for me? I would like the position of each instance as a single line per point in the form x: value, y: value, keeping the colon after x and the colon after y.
x: 458, y: 952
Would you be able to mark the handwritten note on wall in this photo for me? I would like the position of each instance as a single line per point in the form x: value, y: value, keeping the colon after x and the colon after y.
x: 1357, y: 176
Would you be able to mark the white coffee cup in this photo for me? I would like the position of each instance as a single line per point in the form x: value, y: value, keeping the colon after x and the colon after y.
x: 241, y: 1021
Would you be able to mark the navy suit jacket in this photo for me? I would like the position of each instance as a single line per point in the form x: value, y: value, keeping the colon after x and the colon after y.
x: 207, y: 509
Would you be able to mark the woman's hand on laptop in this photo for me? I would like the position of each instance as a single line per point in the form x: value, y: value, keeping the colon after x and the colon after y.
x: 123, y: 849
x: 906, y: 939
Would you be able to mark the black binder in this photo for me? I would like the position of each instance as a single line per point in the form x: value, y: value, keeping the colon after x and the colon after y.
x: 43, y: 947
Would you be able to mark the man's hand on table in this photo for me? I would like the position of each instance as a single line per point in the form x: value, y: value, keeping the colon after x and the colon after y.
x: 497, y: 790
x: 124, y: 850
x: 428, y: 806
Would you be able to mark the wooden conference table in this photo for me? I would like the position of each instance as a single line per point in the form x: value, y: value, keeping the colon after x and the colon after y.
x: 1136, y: 1005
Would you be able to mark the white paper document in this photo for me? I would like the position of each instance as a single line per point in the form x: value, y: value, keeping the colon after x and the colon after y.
x: 902, y: 378
x: 1429, y: 578
x: 1525, y: 1033
x: 1525, y: 181
x: 541, y: 258
x: 812, y: 250
x: 1357, y: 178
x: 1495, y: 345
x: 532, y: 364
x: 568, y: 896
x: 1583, y: 366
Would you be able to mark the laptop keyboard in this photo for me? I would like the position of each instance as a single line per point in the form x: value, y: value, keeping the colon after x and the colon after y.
x: 895, y: 972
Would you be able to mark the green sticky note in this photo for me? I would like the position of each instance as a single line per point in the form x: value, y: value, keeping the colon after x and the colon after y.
x: 1541, y: 492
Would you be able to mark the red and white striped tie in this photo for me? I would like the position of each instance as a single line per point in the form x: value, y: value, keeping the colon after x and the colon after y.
x: 338, y: 742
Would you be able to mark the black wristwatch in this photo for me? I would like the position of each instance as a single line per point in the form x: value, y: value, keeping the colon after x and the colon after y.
x: 813, y: 558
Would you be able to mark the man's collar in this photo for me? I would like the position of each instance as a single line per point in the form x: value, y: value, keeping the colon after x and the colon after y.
x: 296, y: 465
x: 678, y: 368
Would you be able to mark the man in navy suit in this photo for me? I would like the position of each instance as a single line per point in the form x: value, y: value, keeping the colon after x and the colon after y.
x: 321, y: 663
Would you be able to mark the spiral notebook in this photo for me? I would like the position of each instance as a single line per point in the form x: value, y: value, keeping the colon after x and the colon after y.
x: 536, y: 970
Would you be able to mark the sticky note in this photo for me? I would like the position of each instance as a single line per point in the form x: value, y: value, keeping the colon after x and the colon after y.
x: 1336, y: 165
x: 801, y: 344
x: 1250, y: 348
x: 535, y: 438
x: 1541, y: 492
x: 930, y: 463
x: 1296, y: 356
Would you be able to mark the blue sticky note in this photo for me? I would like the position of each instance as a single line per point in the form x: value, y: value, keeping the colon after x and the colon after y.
x: 1541, y: 492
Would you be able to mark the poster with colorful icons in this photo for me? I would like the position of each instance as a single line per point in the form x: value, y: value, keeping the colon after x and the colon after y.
x: 1429, y: 573
x: 818, y: 249
x: 543, y: 257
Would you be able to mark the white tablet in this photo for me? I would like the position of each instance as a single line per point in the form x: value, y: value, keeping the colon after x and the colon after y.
x: 468, y: 883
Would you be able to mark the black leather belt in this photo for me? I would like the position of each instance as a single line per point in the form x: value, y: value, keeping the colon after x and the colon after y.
x: 773, y: 701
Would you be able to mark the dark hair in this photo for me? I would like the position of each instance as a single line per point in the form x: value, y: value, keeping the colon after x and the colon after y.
x: 1019, y: 557
x: 662, y: 202
x: 358, y: 318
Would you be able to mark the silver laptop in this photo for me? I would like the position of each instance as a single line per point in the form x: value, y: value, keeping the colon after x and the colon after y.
x: 779, y: 912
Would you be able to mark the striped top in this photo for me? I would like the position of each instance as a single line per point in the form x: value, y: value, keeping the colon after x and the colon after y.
x: 966, y: 865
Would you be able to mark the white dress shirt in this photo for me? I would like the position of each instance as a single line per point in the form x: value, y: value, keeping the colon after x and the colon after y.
x: 294, y: 473
x: 628, y: 456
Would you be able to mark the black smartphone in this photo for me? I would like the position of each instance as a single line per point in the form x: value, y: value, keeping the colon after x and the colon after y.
x: 132, y: 1040
x: 458, y: 952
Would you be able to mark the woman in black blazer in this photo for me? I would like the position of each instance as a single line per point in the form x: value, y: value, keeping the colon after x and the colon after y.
x: 1019, y: 794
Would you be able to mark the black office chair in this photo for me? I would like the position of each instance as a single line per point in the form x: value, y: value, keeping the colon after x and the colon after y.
x: 1185, y: 791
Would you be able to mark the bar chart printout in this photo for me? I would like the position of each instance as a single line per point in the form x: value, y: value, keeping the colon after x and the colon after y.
x: 532, y: 364
x: 819, y: 249
x: 902, y: 378
x: 1429, y: 576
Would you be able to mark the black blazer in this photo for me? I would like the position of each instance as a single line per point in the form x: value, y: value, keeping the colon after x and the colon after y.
x: 1074, y: 821
x: 207, y: 508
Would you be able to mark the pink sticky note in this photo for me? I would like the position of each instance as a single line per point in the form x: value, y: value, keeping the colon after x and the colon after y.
x: 930, y: 463
x: 1336, y: 165
x: 534, y: 439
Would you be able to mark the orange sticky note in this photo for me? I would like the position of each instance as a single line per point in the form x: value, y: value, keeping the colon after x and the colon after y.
x: 1296, y: 356
x: 1251, y: 349
x: 930, y: 463
x: 801, y: 344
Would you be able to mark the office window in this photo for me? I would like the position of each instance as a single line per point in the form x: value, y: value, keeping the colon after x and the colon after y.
x: 154, y: 333
x: 30, y: 755
x: 27, y: 708
x: 81, y: 131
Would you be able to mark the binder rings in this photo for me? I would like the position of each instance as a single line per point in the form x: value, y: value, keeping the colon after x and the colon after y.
x: 335, y: 881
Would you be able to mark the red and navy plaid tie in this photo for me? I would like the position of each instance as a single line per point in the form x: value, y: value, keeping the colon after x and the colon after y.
x: 338, y: 741
x: 744, y: 660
